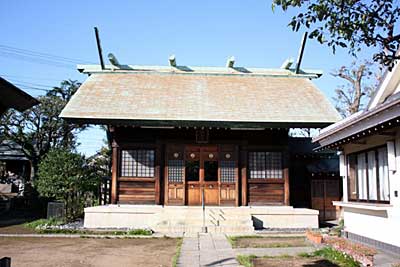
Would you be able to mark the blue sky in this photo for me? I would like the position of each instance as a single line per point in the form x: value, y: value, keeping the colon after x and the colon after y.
x: 199, y: 33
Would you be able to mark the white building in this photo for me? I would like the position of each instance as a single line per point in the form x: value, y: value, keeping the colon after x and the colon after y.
x: 369, y: 144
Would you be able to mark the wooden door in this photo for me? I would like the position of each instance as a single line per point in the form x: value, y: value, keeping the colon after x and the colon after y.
x: 202, y: 175
x: 210, y: 174
x: 194, y: 170
x: 229, y: 175
x: 175, y: 175
x: 323, y: 193
x: 193, y: 173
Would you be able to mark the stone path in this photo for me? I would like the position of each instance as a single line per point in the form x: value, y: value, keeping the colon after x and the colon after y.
x: 207, y: 250
x: 383, y: 259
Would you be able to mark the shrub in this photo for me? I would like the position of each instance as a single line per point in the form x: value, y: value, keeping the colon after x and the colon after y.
x: 65, y: 176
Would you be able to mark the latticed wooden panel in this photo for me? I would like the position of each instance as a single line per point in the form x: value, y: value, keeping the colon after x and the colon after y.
x: 227, y: 171
x: 176, y: 170
x: 265, y: 165
x: 137, y: 163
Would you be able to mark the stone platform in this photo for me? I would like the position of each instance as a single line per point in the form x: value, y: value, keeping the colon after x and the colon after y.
x: 189, y: 219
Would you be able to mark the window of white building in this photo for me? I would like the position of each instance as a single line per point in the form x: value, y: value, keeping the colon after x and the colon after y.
x: 368, y: 176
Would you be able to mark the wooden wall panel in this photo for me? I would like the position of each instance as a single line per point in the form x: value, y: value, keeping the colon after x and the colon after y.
x: 136, y: 192
x: 264, y: 193
x: 228, y: 194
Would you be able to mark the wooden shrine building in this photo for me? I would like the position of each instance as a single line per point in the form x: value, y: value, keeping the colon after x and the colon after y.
x: 180, y: 133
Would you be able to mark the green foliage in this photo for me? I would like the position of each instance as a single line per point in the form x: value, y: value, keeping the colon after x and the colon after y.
x: 139, y: 232
x: 44, y: 223
x: 101, y: 162
x: 39, y: 128
x: 271, y: 241
x: 177, y: 252
x: 65, y: 176
x: 334, y: 256
x: 350, y: 24
x: 246, y: 260
x: 136, y: 232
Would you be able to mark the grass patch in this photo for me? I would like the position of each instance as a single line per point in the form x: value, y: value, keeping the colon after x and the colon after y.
x: 246, y: 260
x: 177, y: 253
x: 234, y: 239
x: 334, y: 256
x: 330, y: 255
x: 257, y: 241
x: 43, y: 223
x: 135, y: 232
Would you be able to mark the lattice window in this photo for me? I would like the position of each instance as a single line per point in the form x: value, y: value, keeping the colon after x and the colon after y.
x: 227, y: 171
x: 175, y: 170
x: 265, y: 165
x: 137, y: 163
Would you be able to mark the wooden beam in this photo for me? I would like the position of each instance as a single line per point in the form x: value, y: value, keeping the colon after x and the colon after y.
x: 114, y: 170
x: 99, y: 50
x: 243, y: 168
x: 157, y: 184
x: 301, y: 51
x: 388, y: 133
x: 286, y: 177
x: 287, y: 187
x: 237, y: 201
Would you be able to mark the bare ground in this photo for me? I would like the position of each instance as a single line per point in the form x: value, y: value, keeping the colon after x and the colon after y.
x: 16, y: 229
x: 79, y: 252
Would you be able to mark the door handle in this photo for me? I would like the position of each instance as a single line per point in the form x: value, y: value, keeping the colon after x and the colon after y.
x: 210, y: 186
x: 192, y: 186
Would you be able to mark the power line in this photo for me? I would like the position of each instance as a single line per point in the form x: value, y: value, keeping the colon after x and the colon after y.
x: 11, y: 76
x: 33, y: 84
x: 25, y: 87
x: 36, y: 60
x: 41, y: 54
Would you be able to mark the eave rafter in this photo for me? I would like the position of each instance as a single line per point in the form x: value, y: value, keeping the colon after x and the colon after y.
x: 380, y: 129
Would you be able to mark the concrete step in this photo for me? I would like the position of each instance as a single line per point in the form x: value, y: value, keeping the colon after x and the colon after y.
x: 199, y: 229
x: 207, y: 222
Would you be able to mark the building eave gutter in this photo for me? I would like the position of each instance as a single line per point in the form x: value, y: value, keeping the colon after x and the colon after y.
x: 382, y: 118
x: 187, y: 123
x: 356, y: 120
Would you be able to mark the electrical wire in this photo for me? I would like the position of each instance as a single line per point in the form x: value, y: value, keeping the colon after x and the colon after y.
x: 41, y: 54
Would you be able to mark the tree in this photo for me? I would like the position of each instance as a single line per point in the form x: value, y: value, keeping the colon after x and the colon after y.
x: 350, y: 97
x: 65, y: 176
x: 350, y: 24
x: 101, y: 162
x: 39, y: 129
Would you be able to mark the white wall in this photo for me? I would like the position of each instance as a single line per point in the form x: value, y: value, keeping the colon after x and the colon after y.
x: 382, y: 225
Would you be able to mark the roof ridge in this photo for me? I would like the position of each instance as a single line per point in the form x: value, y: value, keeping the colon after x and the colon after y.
x: 200, y: 70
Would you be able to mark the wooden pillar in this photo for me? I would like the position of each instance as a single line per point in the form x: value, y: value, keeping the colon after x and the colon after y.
x: 236, y: 156
x: 243, y: 168
x: 286, y: 177
x: 157, y: 182
x: 114, y: 170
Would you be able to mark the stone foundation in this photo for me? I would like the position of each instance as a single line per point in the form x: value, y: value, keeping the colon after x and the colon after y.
x: 190, y: 219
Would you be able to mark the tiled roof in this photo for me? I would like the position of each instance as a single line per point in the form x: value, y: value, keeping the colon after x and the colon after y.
x: 169, y: 96
x: 9, y: 150
x: 13, y: 97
